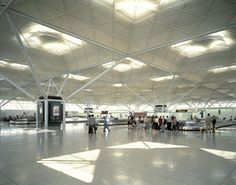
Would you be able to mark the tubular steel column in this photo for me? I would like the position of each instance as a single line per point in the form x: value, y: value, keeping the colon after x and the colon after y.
x: 64, y: 113
x: 37, y: 115
x: 46, y: 113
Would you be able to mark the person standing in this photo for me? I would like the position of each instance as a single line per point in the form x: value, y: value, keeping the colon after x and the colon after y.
x: 213, y: 123
x: 90, y: 127
x: 105, y: 123
x: 146, y: 122
x: 208, y: 122
x: 174, y: 123
x: 161, y: 123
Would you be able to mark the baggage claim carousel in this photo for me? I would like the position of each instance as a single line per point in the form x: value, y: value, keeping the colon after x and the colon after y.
x: 184, y: 125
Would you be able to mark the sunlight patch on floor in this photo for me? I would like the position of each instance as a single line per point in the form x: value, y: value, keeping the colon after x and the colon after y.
x: 221, y: 153
x: 146, y: 145
x: 78, y: 165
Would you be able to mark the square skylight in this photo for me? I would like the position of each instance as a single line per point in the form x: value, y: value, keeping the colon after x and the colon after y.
x: 77, y: 77
x: 218, y: 41
x: 50, y: 40
x: 126, y: 65
x: 157, y: 79
x: 136, y: 8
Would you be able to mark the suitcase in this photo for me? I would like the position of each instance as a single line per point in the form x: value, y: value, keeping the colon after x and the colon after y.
x: 90, y: 129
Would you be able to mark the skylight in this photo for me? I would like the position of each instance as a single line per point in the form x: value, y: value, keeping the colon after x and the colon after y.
x: 13, y: 65
x: 214, y: 42
x: 127, y: 65
x: 135, y: 8
x: 222, y: 69
x: 49, y: 40
x: 157, y: 79
x: 77, y: 77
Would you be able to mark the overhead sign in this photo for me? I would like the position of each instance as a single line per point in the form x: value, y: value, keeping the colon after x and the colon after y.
x: 181, y: 110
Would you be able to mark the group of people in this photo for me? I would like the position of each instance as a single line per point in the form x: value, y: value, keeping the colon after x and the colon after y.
x: 154, y: 122
x: 210, y: 123
x: 92, y: 124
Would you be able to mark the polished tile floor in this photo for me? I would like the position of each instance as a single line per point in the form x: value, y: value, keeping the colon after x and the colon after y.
x: 69, y: 156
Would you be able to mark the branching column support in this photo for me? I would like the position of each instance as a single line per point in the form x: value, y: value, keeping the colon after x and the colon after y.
x: 24, y: 51
x: 93, y: 80
x: 139, y: 96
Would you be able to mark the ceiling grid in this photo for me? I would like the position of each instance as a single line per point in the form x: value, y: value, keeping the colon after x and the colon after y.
x: 106, y: 31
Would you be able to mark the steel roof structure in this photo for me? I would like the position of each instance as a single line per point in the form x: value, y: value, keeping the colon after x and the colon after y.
x: 119, y: 52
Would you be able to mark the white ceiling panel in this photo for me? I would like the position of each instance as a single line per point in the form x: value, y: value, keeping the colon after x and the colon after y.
x: 79, y: 37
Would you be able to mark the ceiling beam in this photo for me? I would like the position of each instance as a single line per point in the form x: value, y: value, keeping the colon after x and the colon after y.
x: 184, y: 40
x: 21, y: 14
x: 18, y: 87
x: 4, y: 8
x: 8, y: 101
x: 96, y: 78
x: 24, y: 51
x: 132, y: 91
x: 186, y: 94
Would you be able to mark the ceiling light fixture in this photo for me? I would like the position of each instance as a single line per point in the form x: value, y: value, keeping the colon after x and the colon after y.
x: 76, y: 77
x: 157, y: 79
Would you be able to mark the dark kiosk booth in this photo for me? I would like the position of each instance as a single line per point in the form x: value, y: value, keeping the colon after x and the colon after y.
x: 50, y: 111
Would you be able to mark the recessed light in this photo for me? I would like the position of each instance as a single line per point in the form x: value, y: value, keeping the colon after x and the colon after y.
x: 88, y: 90
x: 232, y: 80
x: 146, y: 90
x: 13, y: 65
x: 117, y: 85
x: 76, y: 77
x: 157, y: 79
x: 222, y: 69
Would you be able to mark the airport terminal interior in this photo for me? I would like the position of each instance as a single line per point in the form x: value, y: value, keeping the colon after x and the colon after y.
x: 117, y: 92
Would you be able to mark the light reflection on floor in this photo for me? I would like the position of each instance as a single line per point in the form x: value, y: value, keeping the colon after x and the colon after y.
x: 146, y: 145
x: 221, y: 153
x: 22, y: 131
x: 74, y: 127
x: 78, y: 165
x: 122, y: 156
